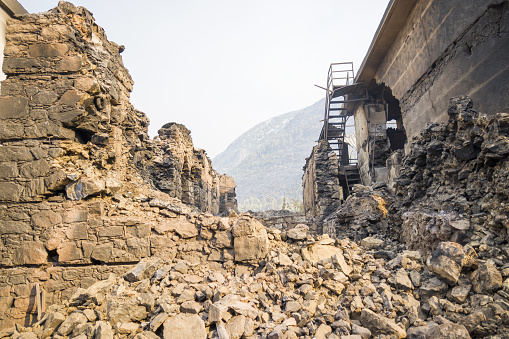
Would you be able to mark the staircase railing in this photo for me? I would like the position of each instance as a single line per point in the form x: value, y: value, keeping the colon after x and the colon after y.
x: 339, y: 74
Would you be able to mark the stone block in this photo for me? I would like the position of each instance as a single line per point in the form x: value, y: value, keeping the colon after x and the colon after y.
x: 144, y: 269
x: 33, y: 189
x: 13, y: 108
x: 48, y: 50
x: 67, y: 117
x: 34, y: 169
x: 44, y: 98
x: 224, y: 239
x: 15, y: 153
x: 70, y: 98
x: 87, y: 84
x: 143, y: 230
x: 78, y: 232
x: 102, y: 252
x: 379, y: 324
x: 68, y: 252
x: 10, y: 191
x: 138, y: 247
x: 446, y: 261
x: 184, y: 326
x: 70, y: 64
x: 75, y: 216
x: 111, y: 231
x: 14, y: 227
x: 56, y: 180
x: 486, y: 279
x: 8, y: 170
x: 30, y: 253
x: 23, y: 65
x: 250, y: 239
x: 186, y: 229
x: 46, y: 218
x: 11, y: 131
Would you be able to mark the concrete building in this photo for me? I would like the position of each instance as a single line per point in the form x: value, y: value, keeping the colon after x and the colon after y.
x: 423, y: 53
x: 8, y: 9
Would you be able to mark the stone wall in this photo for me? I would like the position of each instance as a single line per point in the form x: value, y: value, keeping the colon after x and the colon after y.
x: 322, y: 192
x: 281, y: 220
x: 73, y: 204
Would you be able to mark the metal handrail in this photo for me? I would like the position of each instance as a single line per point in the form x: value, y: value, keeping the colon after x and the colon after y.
x: 348, y: 75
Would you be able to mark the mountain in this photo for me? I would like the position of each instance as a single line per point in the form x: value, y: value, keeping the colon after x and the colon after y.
x: 266, y: 161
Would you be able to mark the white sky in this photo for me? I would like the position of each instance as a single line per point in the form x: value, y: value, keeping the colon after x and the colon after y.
x: 220, y: 67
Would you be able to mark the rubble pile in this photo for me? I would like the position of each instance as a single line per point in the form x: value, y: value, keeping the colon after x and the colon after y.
x: 288, y: 285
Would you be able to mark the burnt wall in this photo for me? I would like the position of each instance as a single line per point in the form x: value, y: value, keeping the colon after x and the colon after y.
x: 447, y: 49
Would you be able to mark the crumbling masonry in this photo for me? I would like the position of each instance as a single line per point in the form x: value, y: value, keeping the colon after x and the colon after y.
x: 71, y: 194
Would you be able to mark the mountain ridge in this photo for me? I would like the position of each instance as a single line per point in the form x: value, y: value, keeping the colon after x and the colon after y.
x: 267, y: 160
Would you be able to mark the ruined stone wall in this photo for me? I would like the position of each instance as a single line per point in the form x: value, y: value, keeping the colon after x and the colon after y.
x: 281, y: 220
x: 227, y: 195
x: 174, y: 166
x: 322, y: 192
x: 72, y: 202
x: 446, y: 49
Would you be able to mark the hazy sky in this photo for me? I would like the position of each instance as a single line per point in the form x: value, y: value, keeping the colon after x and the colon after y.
x: 220, y: 67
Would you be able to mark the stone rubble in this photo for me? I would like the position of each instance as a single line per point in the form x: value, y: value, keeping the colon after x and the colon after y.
x: 119, y: 232
x: 315, y: 287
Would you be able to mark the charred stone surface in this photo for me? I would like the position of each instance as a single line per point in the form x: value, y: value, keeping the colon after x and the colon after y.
x: 453, y: 183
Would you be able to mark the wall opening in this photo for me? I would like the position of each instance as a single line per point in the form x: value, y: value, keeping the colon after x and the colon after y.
x: 395, y: 131
x: 83, y: 136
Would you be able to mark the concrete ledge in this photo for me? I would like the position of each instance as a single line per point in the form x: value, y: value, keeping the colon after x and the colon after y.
x: 12, y: 7
x: 394, y: 17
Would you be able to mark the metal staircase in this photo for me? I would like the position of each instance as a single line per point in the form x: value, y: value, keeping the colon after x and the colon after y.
x: 340, y: 84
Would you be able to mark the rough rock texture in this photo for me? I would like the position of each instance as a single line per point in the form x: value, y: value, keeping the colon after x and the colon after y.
x: 316, y: 287
x: 112, y: 257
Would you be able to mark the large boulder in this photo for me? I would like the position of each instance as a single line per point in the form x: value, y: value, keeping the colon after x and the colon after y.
x: 486, y: 279
x: 447, y: 261
x: 446, y: 330
x: 299, y: 232
x: 184, y: 326
x: 250, y: 239
x: 379, y: 324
